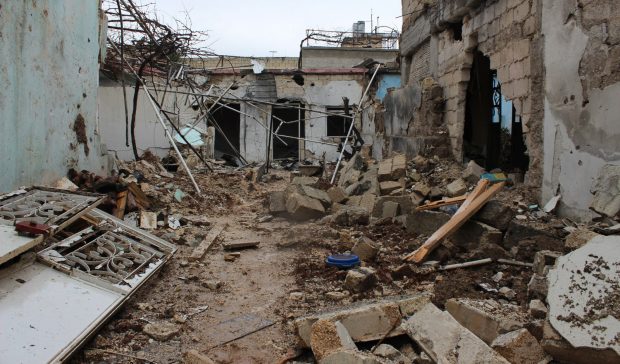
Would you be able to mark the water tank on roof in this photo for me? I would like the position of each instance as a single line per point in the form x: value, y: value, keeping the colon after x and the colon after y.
x: 359, y: 27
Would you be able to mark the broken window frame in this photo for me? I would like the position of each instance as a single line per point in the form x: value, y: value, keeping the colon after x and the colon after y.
x: 331, y: 119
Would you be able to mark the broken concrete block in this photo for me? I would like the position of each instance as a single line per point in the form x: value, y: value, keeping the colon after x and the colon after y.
x: 391, y: 353
x: 350, y: 357
x: 360, y: 279
x: 336, y: 194
x: 606, y: 191
x: 388, y: 186
x: 328, y: 337
x: 370, y: 181
x: 352, y: 171
x: 194, y: 357
x: 425, y: 222
x: 436, y: 193
x: 390, y: 209
x: 487, y: 319
x: 537, y: 287
x: 367, y: 202
x: 520, y: 347
x: 578, y: 238
x: 404, y: 202
x: 303, y: 207
x: 562, y: 351
x: 161, y: 331
x: 304, y: 181
x: 277, y: 202
x: 544, y: 260
x: 351, y: 215
x: 496, y: 213
x: 353, y: 189
x: 457, y: 187
x: 474, y: 234
x: 583, y: 295
x: 422, y: 189
x: 385, y: 170
x: 317, y: 194
x: 399, y: 166
x: 472, y: 172
x: 365, y: 249
x: 445, y: 340
x: 350, y: 177
x: 538, y: 309
x: 366, y: 321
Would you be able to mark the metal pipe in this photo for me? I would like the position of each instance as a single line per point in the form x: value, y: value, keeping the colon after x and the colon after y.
x: 346, y: 140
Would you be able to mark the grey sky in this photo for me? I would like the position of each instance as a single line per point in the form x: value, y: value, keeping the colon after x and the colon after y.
x: 254, y: 28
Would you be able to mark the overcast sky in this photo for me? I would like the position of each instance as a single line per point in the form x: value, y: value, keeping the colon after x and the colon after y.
x: 254, y: 28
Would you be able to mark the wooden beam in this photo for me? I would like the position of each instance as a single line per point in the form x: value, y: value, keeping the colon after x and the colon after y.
x: 206, y: 243
x: 440, y: 203
x: 472, y: 204
x: 121, y: 202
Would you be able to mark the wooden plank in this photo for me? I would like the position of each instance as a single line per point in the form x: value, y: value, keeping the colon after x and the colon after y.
x: 141, y: 199
x: 234, y: 245
x: 472, y: 204
x: 121, y: 202
x: 206, y: 243
x: 440, y: 203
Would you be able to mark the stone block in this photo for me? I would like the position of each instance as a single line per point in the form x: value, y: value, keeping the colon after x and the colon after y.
x: 385, y: 170
x: 544, y: 260
x: 422, y: 189
x: 360, y: 279
x: 487, y: 319
x: 161, y: 331
x: 538, y: 309
x: 304, y: 180
x: 350, y: 357
x: 537, y: 287
x: 457, y: 187
x: 520, y: 347
x: 367, y: 202
x: 519, y: 230
x: 194, y: 357
x: 366, y: 321
x: 425, y: 222
x: 445, y: 340
x: 390, y: 209
x: 496, y: 214
x: 351, y: 215
x: 365, y: 249
x: 399, y: 166
x: 328, y: 337
x: 388, y: 186
x: 317, y: 194
x: 390, y: 353
x: 303, y: 207
x: 336, y: 194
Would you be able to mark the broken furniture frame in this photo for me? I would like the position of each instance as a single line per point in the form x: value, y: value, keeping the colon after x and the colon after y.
x: 483, y: 192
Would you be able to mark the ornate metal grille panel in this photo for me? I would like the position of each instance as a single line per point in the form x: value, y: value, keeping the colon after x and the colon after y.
x: 43, y: 206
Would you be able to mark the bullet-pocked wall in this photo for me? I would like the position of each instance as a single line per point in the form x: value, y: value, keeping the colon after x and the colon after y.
x: 48, y: 100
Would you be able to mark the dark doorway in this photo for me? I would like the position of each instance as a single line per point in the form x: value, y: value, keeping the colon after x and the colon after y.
x: 293, y: 126
x: 229, y: 121
x: 493, y: 134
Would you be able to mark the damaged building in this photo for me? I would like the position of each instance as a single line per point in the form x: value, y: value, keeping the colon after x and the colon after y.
x: 527, y: 86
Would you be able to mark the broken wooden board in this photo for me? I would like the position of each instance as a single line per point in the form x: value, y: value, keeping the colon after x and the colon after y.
x: 206, y: 243
x: 440, y: 203
x: 141, y: 199
x: 236, y: 245
x: 474, y: 202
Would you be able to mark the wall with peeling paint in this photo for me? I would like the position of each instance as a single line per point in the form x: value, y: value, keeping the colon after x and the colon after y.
x: 582, y: 93
x: 49, y: 74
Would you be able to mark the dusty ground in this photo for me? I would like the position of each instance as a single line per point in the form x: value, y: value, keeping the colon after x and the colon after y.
x: 284, y: 278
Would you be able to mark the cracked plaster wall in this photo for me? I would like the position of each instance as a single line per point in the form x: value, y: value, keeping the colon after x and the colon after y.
x: 582, y: 93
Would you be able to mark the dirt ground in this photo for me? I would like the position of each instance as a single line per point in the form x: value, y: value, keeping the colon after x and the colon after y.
x: 242, y: 311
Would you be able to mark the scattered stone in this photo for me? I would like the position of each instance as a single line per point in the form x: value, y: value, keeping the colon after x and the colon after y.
x: 441, y: 336
x: 303, y: 207
x: 537, y: 287
x: 194, y: 357
x: 606, y: 191
x: 265, y: 218
x: 328, y: 337
x: 212, y: 284
x: 360, y: 279
x: 422, y: 189
x: 350, y: 357
x: 391, y: 353
x: 457, y: 188
x: 385, y: 170
x: 404, y: 202
x: 399, y: 166
x: 497, y: 214
x: 390, y: 209
x: 366, y: 321
x: 425, y: 222
x: 337, y: 296
x: 520, y: 347
x: 420, y: 162
x: 472, y: 172
x: 148, y: 220
x: 231, y: 257
x: 296, y: 296
x: 544, y: 260
x: 277, y: 202
x: 336, y: 194
x: 487, y: 319
x: 507, y: 293
x: 365, y: 249
x: 538, y: 309
x: 436, y: 193
x: 351, y: 215
x: 388, y: 187
x: 304, y: 180
x: 161, y: 331
x: 317, y: 194
x: 497, y: 277
x: 579, y: 238
x: 403, y: 270
x: 367, y: 202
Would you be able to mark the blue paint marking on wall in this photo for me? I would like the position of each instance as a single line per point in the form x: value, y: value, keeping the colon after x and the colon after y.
x: 386, y: 82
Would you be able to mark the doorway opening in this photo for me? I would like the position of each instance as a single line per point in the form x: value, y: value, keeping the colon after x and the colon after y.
x: 230, y: 122
x: 288, y: 123
x: 493, y: 134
